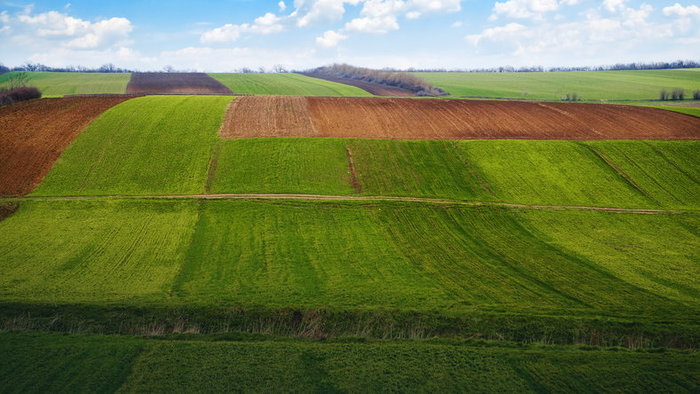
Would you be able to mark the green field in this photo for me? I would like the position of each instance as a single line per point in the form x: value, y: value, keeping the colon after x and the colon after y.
x: 589, y: 85
x: 147, y: 145
x: 355, y: 256
x: 682, y: 110
x: 107, y: 364
x: 286, y: 85
x: 606, y: 173
x: 54, y: 84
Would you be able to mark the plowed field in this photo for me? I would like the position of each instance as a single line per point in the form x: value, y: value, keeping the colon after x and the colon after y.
x: 394, y: 118
x: 374, y: 88
x: 33, y: 134
x: 175, y: 83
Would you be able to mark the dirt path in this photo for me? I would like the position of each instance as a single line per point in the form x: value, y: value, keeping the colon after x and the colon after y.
x: 319, y: 197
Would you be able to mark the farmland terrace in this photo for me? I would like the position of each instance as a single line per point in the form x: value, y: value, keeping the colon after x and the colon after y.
x: 419, y: 242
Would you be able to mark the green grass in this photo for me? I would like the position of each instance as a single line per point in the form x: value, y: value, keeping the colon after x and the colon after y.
x: 648, y: 174
x: 94, y: 251
x: 54, y: 84
x: 337, y: 256
x: 285, y: 165
x: 68, y: 363
x: 286, y: 85
x: 589, y: 85
x: 147, y: 145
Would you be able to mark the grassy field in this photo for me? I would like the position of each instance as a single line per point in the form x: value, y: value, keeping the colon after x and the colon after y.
x: 682, y: 110
x: 127, y: 364
x: 138, y: 147
x: 54, y: 84
x: 286, y: 85
x: 589, y: 85
x: 403, y: 256
x: 605, y: 173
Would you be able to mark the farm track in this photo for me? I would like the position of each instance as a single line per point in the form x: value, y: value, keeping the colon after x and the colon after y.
x: 396, y: 118
x: 319, y: 197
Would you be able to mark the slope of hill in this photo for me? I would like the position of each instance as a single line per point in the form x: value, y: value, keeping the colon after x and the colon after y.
x: 55, y: 84
x: 589, y: 85
x: 283, y: 84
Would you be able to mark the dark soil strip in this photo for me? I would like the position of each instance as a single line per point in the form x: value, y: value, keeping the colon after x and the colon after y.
x: 7, y: 209
x: 175, y: 83
x: 621, y: 173
x: 354, y: 180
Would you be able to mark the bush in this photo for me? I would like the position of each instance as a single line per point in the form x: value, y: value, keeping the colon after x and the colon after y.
x: 9, y: 96
x: 664, y: 95
x: 678, y: 94
x: 696, y: 95
x: 572, y: 97
x: 388, y: 78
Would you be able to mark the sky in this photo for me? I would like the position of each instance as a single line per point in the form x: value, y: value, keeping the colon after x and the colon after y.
x: 228, y: 35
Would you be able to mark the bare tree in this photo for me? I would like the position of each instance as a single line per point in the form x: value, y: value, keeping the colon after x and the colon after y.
x: 678, y: 94
x: 664, y: 95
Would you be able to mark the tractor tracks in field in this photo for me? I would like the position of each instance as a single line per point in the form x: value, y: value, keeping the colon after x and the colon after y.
x: 320, y: 197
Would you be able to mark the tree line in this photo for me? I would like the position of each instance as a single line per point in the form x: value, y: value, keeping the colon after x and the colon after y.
x: 614, y: 67
x: 389, y: 78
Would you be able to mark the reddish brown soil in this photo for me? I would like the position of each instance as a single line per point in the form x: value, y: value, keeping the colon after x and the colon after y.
x: 373, y: 88
x: 175, y: 83
x: 396, y: 118
x: 33, y: 134
x: 287, y: 116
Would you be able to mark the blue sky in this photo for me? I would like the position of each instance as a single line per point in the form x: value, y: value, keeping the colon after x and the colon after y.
x: 227, y: 35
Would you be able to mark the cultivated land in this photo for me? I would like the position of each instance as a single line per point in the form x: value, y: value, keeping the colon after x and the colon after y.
x: 33, y: 135
x: 482, y: 265
x: 108, y: 364
x: 284, y: 84
x: 54, y: 84
x: 450, y: 119
x: 146, y: 145
x: 373, y: 88
x: 589, y: 85
x: 175, y: 83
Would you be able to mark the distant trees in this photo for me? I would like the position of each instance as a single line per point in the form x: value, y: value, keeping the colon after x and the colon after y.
x: 389, y: 78
x: 16, y: 89
x: 696, y: 95
x: 571, y: 97
x: 674, y: 94
x: 615, y: 67
x: 106, y: 68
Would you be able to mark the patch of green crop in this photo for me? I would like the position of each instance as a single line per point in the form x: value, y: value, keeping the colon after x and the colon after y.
x: 283, y: 84
x: 100, y: 363
x: 551, y: 173
x: 282, y: 165
x: 655, y: 253
x: 147, y: 145
x: 93, y: 251
x: 667, y: 172
x: 588, y: 85
x: 55, y: 84
x: 417, y: 168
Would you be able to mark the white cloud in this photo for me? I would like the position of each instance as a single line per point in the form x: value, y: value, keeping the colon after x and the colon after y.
x: 330, y: 39
x: 266, y: 24
x: 680, y: 11
x: 614, y: 5
x: 74, y: 32
x: 457, y: 24
x: 311, y: 11
x: 523, y: 9
x: 499, y: 33
x: 282, y: 6
x: 376, y: 25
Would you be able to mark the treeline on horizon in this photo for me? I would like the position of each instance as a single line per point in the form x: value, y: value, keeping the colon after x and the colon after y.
x: 401, y: 80
x: 111, y: 68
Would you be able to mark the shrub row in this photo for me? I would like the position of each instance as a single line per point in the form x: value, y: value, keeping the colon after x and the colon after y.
x: 9, y: 96
x: 395, y: 79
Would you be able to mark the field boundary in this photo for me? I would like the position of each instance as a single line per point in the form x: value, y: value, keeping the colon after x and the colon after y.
x: 321, y: 197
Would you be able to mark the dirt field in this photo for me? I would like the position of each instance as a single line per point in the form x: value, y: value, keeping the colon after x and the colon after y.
x: 175, y: 83
x: 33, y: 134
x: 394, y: 118
x: 288, y: 116
x: 374, y: 88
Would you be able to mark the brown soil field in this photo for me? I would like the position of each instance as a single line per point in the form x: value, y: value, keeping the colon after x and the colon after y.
x: 373, y: 88
x: 396, y: 118
x: 33, y: 135
x: 175, y: 83
x: 288, y: 116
